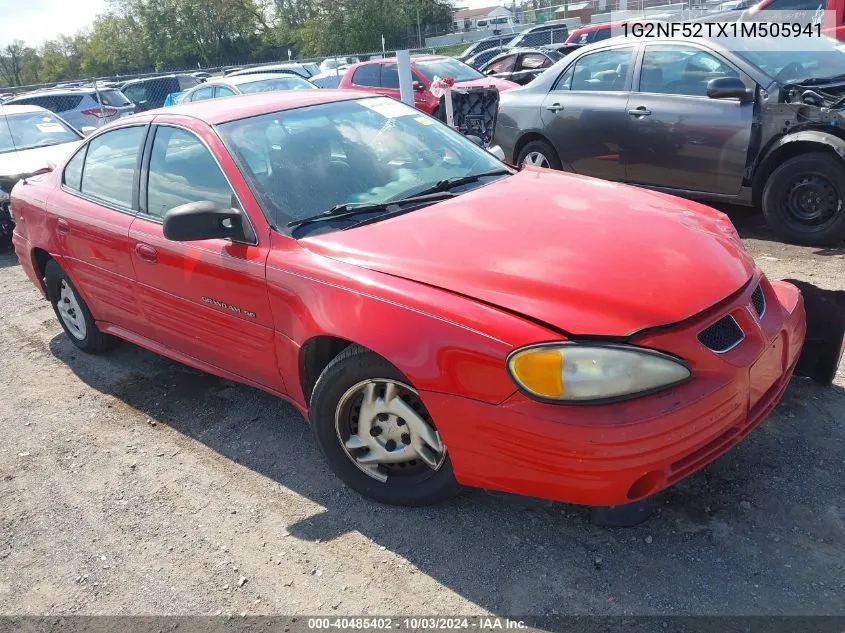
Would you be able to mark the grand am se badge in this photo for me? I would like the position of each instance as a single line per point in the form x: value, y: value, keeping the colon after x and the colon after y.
x: 227, y: 306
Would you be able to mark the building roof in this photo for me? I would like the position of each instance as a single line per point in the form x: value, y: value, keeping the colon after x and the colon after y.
x: 476, y: 13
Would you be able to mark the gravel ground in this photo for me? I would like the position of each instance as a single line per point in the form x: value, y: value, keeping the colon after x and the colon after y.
x: 133, y: 485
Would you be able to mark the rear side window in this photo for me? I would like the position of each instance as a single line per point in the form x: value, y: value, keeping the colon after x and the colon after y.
x: 367, y: 75
x: 73, y: 171
x: 54, y: 103
x: 201, y: 94
x: 114, y: 98
x: 109, y: 171
x: 182, y: 170
x: 136, y: 93
x: 532, y: 61
x: 389, y: 76
x: 503, y: 65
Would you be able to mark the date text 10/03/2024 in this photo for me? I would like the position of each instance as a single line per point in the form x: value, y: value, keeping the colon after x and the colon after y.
x: 480, y: 623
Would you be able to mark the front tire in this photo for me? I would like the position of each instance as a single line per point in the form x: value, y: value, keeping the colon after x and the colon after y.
x: 804, y: 199
x: 73, y: 313
x: 539, y: 154
x: 376, y: 434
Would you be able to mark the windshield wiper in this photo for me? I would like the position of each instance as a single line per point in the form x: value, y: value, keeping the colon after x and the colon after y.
x: 451, y: 183
x: 817, y: 81
x: 350, y: 209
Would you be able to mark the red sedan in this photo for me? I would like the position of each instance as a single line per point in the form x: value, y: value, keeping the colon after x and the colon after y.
x: 439, y: 318
x: 382, y: 77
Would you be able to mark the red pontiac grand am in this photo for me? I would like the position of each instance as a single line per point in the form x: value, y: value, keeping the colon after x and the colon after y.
x: 439, y: 318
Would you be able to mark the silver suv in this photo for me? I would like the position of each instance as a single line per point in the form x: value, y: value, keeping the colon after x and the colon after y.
x: 81, y: 107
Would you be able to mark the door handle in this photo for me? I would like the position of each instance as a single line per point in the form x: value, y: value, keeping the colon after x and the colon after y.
x: 640, y: 111
x: 147, y: 253
x: 62, y: 227
x: 555, y: 107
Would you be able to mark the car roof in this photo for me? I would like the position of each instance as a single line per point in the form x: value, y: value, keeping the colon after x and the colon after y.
x: 237, y: 80
x: 52, y: 92
x: 281, y: 66
x: 216, y: 111
x: 6, y: 110
x: 414, y: 59
x: 138, y: 81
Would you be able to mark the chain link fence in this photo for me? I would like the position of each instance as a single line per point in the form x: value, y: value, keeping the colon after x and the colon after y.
x: 94, y: 101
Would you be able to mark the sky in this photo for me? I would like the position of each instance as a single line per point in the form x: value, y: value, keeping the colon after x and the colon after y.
x: 35, y: 21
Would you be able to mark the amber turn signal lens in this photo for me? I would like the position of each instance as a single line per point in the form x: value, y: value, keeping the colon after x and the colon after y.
x: 540, y: 371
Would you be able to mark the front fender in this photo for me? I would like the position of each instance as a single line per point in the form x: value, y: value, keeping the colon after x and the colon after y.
x: 817, y: 137
x: 443, y: 342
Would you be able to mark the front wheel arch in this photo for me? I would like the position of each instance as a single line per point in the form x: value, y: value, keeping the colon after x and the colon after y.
x: 789, y: 147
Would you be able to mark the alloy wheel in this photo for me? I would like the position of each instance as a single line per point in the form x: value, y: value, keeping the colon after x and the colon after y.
x: 70, y: 311
x: 536, y: 159
x: 386, y: 431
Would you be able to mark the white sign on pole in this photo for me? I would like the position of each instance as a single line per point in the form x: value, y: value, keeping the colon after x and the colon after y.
x: 406, y: 81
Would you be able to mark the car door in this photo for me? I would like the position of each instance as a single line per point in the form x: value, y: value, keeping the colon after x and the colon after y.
x: 205, y: 299
x: 584, y: 114
x: 680, y: 138
x: 91, y: 213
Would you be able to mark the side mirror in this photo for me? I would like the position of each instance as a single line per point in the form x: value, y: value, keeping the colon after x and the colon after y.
x: 87, y: 130
x: 728, y: 88
x: 206, y: 221
x: 498, y: 152
x: 418, y: 87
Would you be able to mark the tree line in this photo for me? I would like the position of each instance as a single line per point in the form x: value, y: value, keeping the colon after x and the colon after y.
x: 136, y: 36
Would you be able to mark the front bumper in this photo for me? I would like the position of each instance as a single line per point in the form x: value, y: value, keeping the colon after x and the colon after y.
x: 622, y: 452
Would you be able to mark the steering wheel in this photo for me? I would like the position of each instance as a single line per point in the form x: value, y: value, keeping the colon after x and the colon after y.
x: 793, y: 70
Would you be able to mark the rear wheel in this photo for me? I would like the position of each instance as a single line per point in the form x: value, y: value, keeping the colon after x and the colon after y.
x: 804, y: 199
x: 73, y: 313
x: 376, y: 433
x: 539, y: 154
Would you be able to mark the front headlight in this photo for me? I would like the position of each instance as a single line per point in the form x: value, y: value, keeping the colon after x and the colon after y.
x: 589, y: 372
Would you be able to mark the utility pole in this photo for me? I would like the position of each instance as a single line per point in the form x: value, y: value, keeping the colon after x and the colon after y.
x: 419, y: 31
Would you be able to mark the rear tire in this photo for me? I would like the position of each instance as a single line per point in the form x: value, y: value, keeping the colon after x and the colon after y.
x: 351, y: 423
x: 73, y: 313
x: 539, y: 154
x: 804, y: 199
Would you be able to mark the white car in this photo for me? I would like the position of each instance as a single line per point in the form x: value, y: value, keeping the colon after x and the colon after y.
x: 334, y: 62
x: 31, y: 139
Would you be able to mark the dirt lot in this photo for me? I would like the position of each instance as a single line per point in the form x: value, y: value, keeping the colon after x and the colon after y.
x: 133, y: 485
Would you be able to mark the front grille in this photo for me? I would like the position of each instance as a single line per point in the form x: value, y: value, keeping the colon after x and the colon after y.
x: 723, y: 335
x: 759, y: 301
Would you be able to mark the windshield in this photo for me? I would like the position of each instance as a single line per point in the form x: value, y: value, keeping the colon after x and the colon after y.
x: 34, y: 129
x: 277, y: 83
x: 792, y: 66
x: 368, y: 151
x: 447, y: 68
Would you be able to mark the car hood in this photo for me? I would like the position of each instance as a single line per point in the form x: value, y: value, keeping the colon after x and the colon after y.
x: 500, y: 84
x: 28, y: 161
x: 586, y: 256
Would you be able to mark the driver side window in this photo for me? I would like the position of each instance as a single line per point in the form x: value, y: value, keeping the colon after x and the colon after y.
x: 681, y: 70
x: 182, y: 170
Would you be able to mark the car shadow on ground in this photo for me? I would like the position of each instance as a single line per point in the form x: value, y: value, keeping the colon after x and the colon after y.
x: 759, y: 531
x: 750, y: 224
